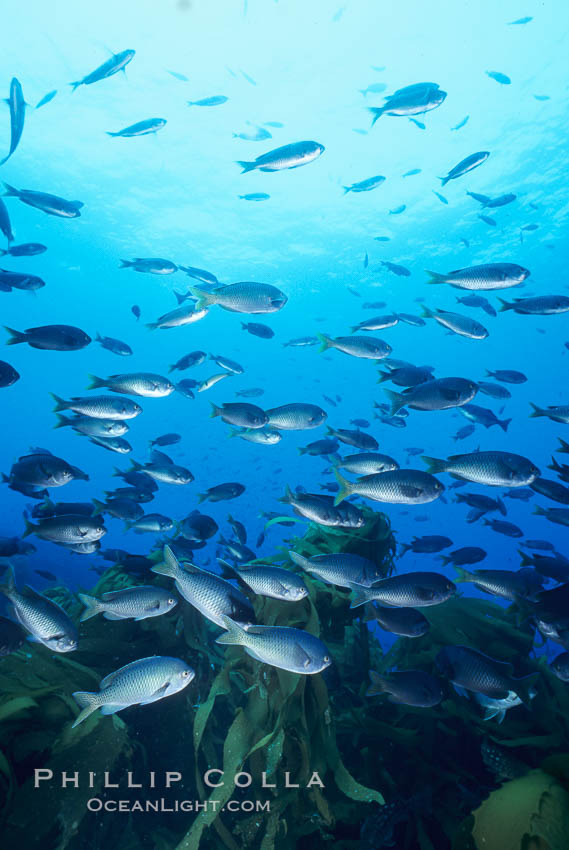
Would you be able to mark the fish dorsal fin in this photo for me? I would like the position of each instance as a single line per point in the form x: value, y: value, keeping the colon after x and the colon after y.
x: 160, y: 457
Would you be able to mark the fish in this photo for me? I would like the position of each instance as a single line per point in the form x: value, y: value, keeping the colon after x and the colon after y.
x: 169, y: 439
x: 493, y: 468
x: 407, y: 375
x: 434, y: 394
x: 373, y: 88
x: 341, y: 569
x: 551, y: 489
x: 486, y: 277
x: 507, y: 376
x: 464, y: 555
x: 114, y: 345
x: 213, y: 596
x: 365, y: 185
x: 540, y: 305
x: 273, y: 582
x: 410, y: 100
x: 27, y: 249
x: 116, y: 63
x: 493, y: 390
x: 47, y: 98
x: 17, y: 104
x: 8, y: 375
x: 141, y: 682
x: 153, y: 523
x: 41, y: 468
x: 242, y: 414
x: 136, y: 603
x: 506, y: 584
x: 279, y: 646
x: 188, y: 361
x: 44, y: 620
x: 356, y: 438
x: 186, y: 314
x: 255, y: 196
x: 251, y: 392
x: 499, y: 761
x: 487, y: 220
x: 214, y: 100
x: 365, y: 347
x: 405, y: 622
x: 466, y: 165
x: 411, y: 590
x: 99, y: 407
x: 5, y: 225
x: 557, y: 413
x: 49, y: 204
x: 141, y: 128
x: 471, y: 670
x: 260, y: 436
x: 221, y: 492
x: 499, y: 77
x: 525, y: 20
x: 259, y: 134
x: 398, y: 210
x: 482, y: 504
x: 408, y: 687
x: 457, y: 323
x: 296, y: 416
x: 242, y: 297
x: 135, y: 310
x: 146, y: 265
x: 202, y: 386
x: 146, y: 384
x: 461, y: 124
x: 483, y: 416
x: 441, y: 198
x: 319, y: 448
x: 301, y: 342
x: 559, y: 516
x: 258, y: 329
x: 559, y: 665
x: 321, y: 510
x: 400, y: 271
x: 198, y: 527
x: 15, y: 280
x: 288, y: 156
x: 93, y: 427
x: 399, y: 486
x: 162, y: 468
x: 412, y: 172
x: 50, y: 338
x: 418, y: 124
x: 426, y: 545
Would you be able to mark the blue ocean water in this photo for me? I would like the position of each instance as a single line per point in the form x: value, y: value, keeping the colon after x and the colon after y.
x: 176, y: 195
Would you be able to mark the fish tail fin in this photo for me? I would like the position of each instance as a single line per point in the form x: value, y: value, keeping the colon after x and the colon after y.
x: 383, y: 376
x: 404, y: 549
x: 506, y: 305
x: 8, y: 586
x: 427, y: 312
x: 526, y: 559
x: 359, y: 595
x: 16, y: 337
x: 234, y: 634
x: 151, y: 325
x: 564, y: 445
x: 29, y: 527
x: 246, y: 166
x: 204, y: 296
x: 446, y: 559
x: 126, y: 264
x: 346, y: 189
x: 288, y: 497
x: 112, y: 134
x: 444, y: 181
x: 62, y: 421
x: 96, y: 383
x: 180, y: 296
x: 92, y: 606
x: 376, y: 111
x: 436, y: 277
x: 10, y: 191
x: 169, y: 566
x: 302, y: 450
x: 75, y: 84
x: 540, y: 511
x: 503, y: 423
x: 60, y: 403
x: 397, y: 401
x: 462, y: 575
x: 502, y: 507
x: 202, y: 497
x: 345, y: 487
x: 378, y: 684
x: 88, y: 702
x: 215, y: 410
x: 434, y: 464
x: 536, y: 411
x: 98, y: 507
x: 325, y: 342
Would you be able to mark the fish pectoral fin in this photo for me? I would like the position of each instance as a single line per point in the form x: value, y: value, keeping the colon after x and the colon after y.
x: 302, y: 656
x: 161, y: 692
x: 462, y: 692
x: 410, y: 491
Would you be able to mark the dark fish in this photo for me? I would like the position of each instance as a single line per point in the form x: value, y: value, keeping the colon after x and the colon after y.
x: 42, y: 469
x: 411, y: 590
x: 221, y: 492
x: 365, y: 185
x: 464, y: 432
x: 410, y: 100
x: 522, y: 584
x: 551, y: 489
x: 406, y: 622
x: 166, y: 440
x: 238, y: 529
x: 50, y: 204
x: 525, y: 20
x: 465, y: 165
x: 540, y: 305
x: 440, y: 197
x: 491, y: 222
x: 178, y: 76
x: 460, y: 123
x: 114, y: 345
x: 411, y: 173
x: 5, y: 225
x: 554, y: 566
x: 409, y: 687
x: 473, y: 671
x: 499, y: 761
x: 360, y: 423
x: 258, y: 329
x: 559, y: 665
x: 135, y: 310
x: 401, y: 271
x: 398, y: 210
x: 15, y: 280
x: 464, y: 555
x: 116, y: 63
x: 51, y: 338
x: 426, y: 545
x: 255, y: 196
x: 198, y: 527
x: 199, y: 274
x: 356, y: 438
x: 507, y: 376
x: 14, y: 546
x: 149, y: 265
x: 8, y: 375
x: 17, y: 105
x: 27, y: 249
x: 418, y: 124
x: 319, y: 448
x: 46, y: 575
x: 194, y: 358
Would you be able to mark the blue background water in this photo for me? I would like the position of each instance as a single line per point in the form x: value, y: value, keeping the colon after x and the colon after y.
x: 175, y: 195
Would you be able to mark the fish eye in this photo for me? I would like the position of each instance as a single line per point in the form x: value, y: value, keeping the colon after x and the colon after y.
x: 185, y: 674
x: 171, y: 601
x: 326, y: 658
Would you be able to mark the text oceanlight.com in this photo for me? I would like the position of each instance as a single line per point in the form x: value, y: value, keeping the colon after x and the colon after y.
x: 96, y: 804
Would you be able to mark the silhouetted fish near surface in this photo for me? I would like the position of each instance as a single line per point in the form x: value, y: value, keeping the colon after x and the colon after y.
x: 17, y: 106
x: 287, y: 156
x: 50, y: 204
x: 141, y: 128
x: 116, y: 63
x: 465, y: 165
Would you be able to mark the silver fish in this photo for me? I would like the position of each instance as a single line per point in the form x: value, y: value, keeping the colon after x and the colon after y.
x: 137, y: 603
x: 46, y: 621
